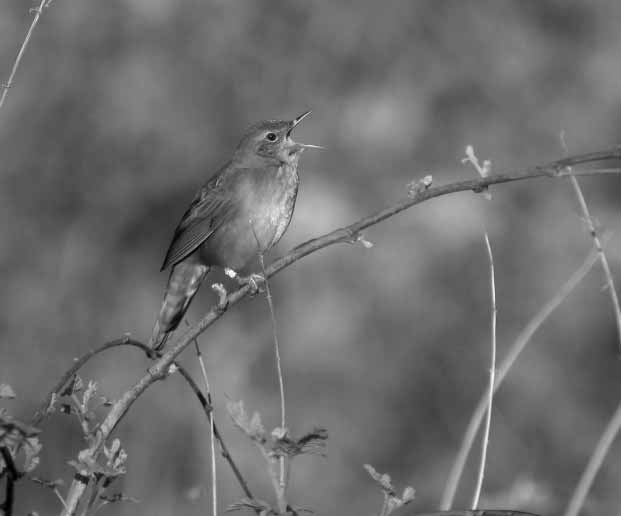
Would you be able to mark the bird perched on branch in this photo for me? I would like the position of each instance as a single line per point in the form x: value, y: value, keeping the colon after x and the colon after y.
x: 241, y: 211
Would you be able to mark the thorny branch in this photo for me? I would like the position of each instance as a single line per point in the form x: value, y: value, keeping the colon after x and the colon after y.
x: 349, y: 233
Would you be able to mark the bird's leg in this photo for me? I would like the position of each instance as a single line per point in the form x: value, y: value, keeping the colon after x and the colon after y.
x: 253, y: 281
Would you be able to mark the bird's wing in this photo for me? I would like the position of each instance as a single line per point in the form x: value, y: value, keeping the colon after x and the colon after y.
x: 209, y: 210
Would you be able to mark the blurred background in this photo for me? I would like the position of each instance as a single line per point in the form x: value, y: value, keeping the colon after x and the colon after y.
x: 121, y: 109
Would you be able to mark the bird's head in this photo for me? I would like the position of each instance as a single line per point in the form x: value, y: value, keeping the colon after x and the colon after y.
x: 270, y: 141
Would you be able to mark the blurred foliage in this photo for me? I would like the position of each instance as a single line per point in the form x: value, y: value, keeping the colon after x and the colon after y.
x: 123, y: 108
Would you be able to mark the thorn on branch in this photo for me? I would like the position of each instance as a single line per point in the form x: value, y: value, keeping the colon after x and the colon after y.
x: 6, y: 391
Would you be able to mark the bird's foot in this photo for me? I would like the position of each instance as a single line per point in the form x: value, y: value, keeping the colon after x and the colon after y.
x: 252, y: 280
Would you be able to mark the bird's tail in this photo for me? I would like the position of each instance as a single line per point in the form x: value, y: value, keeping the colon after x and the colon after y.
x: 184, y: 280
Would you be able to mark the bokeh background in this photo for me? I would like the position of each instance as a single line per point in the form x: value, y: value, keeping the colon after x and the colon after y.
x: 121, y: 109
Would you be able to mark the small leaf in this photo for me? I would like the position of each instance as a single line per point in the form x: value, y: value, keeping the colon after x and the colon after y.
x: 392, y: 504
x: 6, y: 392
x: 280, y: 433
x: 313, y: 442
x: 31, y: 451
x: 417, y: 187
x: 89, y: 392
x: 408, y: 494
x: 12, y: 430
x: 382, y: 479
x: 252, y: 504
x: 238, y: 413
x: 253, y: 428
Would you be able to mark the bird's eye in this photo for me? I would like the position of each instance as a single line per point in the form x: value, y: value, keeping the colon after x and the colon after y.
x: 271, y: 137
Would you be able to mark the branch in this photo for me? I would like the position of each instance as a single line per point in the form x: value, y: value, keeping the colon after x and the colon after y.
x: 598, y: 244
x: 43, y: 409
x: 223, y: 449
x: 42, y: 412
x: 5, y: 87
x: 600, y: 251
x: 347, y: 234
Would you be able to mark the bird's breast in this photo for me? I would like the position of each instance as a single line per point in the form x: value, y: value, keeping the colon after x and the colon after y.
x: 264, y: 201
x: 272, y: 204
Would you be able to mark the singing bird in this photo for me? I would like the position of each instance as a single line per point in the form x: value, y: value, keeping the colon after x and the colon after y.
x: 241, y: 211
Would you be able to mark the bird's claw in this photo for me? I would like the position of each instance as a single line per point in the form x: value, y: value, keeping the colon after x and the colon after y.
x: 253, y: 280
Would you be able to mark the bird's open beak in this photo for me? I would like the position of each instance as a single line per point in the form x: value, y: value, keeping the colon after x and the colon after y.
x: 297, y: 147
x: 297, y: 120
x: 300, y: 118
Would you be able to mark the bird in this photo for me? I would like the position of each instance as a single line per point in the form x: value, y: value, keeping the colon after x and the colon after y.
x: 242, y: 211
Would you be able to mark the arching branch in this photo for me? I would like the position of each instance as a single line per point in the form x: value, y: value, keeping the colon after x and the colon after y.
x: 350, y: 234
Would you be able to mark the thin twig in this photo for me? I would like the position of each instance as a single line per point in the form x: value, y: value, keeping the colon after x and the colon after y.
x: 12, y: 475
x: 595, y: 463
x: 282, y: 502
x: 342, y: 235
x: 223, y: 448
x: 602, y: 255
x: 596, y: 240
x: 9, y: 83
x: 49, y: 485
x: 492, y: 373
x: 212, y: 444
x: 78, y: 363
x: 518, y: 346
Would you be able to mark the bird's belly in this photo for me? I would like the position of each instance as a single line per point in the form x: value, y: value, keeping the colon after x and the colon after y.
x: 256, y: 228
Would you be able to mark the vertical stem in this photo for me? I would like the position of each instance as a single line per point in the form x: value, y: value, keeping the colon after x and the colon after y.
x: 212, y: 432
x: 492, y: 380
x: 518, y: 346
x: 11, y: 476
x: 5, y: 87
x: 281, y: 383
